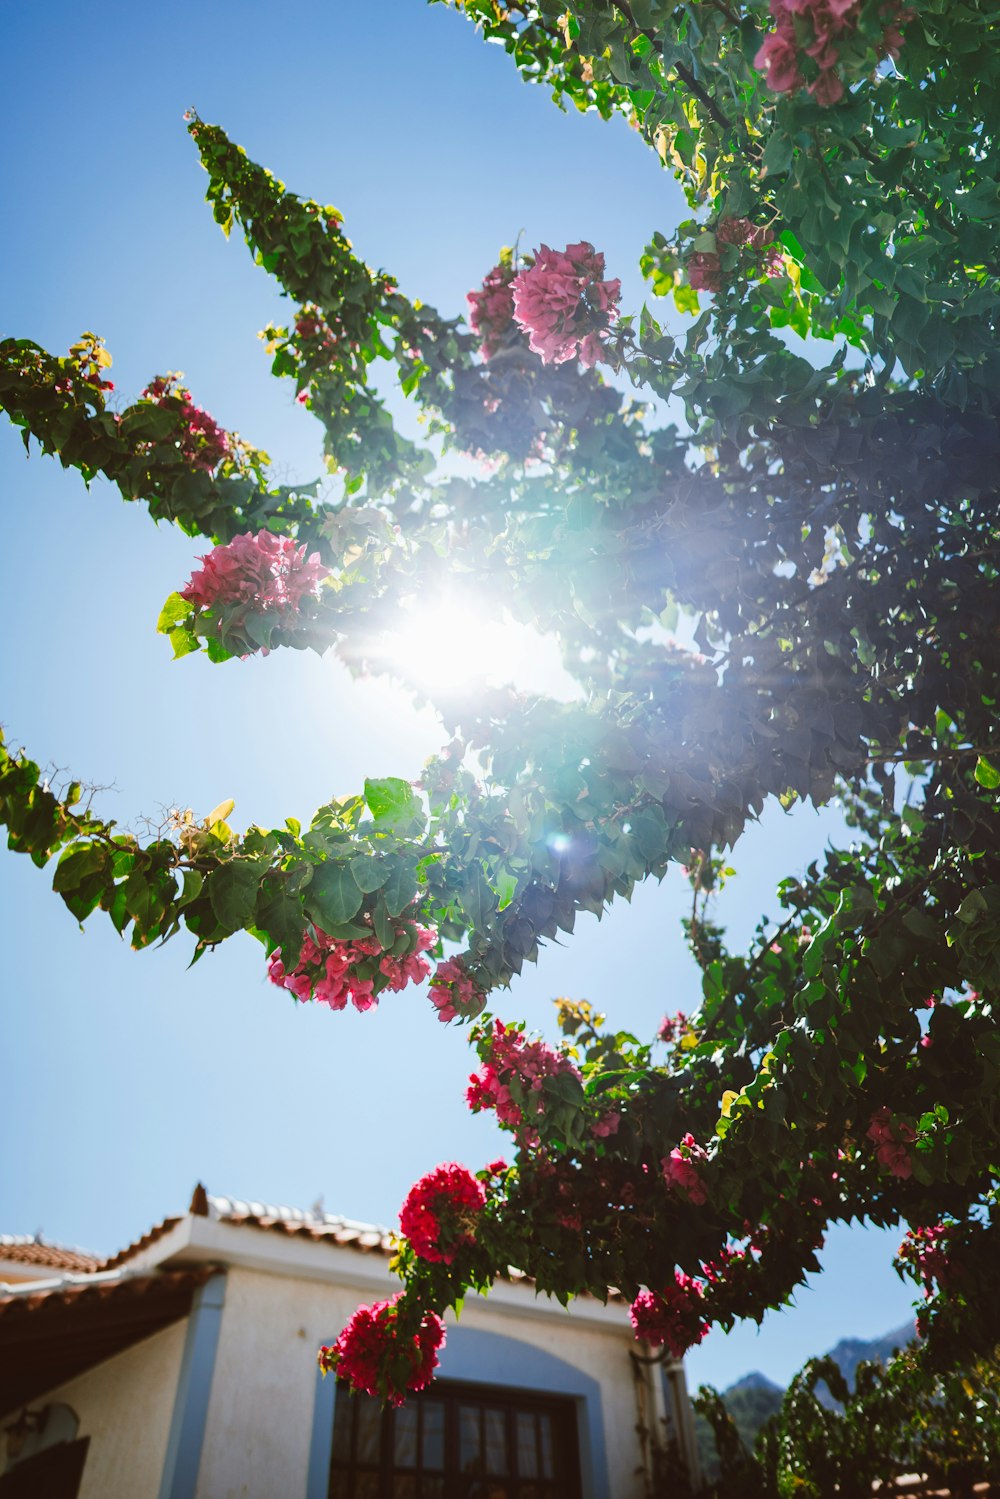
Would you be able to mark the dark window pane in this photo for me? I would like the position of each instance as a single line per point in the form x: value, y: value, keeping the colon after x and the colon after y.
x: 369, y: 1419
x: 545, y: 1432
x: 470, y: 1457
x: 407, y: 1418
x: 366, y: 1486
x: 531, y: 1491
x: 527, y: 1445
x: 432, y: 1488
x: 404, y: 1487
x: 342, y: 1413
x: 432, y: 1416
x: 496, y: 1441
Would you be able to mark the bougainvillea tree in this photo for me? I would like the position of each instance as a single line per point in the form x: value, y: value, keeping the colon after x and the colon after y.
x: 827, y: 523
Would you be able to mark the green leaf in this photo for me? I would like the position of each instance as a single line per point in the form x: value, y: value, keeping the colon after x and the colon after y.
x: 183, y: 641
x: 174, y: 610
x: 370, y: 873
x: 76, y: 864
x: 777, y: 154
x: 400, y: 889
x: 384, y: 929
x: 986, y: 774
x: 333, y: 896
x: 393, y: 802
x: 233, y: 893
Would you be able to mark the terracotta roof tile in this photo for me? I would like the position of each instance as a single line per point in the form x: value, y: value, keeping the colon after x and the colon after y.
x: 131, y: 1250
x: 51, y: 1331
x: 365, y: 1237
x: 31, y: 1249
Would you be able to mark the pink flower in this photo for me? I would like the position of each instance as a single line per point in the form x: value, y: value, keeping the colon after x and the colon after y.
x: 673, y: 1316
x: 672, y: 1027
x: 777, y: 59
x: 371, y: 1355
x: 704, y: 270
x: 509, y: 1058
x: 892, y: 1137
x: 564, y: 304
x: 926, y: 1251
x: 440, y: 1211
x: 263, y: 572
x: 815, y: 29
x: 200, y: 438
x: 332, y: 971
x: 454, y: 993
x: 681, y: 1170
x: 491, y: 310
x: 607, y: 1124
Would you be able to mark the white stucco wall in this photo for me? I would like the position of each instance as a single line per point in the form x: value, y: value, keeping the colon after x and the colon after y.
x: 260, y: 1416
x: 125, y: 1406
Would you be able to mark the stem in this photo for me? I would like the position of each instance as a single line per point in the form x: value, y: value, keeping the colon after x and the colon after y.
x: 686, y: 77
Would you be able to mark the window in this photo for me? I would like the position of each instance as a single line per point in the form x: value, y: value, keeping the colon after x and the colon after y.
x: 455, y: 1441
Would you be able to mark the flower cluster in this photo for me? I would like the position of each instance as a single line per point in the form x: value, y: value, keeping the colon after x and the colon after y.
x: 672, y: 1027
x: 259, y: 574
x: 682, y: 1170
x: 926, y: 1252
x: 201, y: 441
x: 371, y: 1355
x: 454, y: 993
x: 311, y: 326
x: 892, y: 1137
x: 334, y: 971
x: 564, y: 304
x: 513, y: 1062
x: 440, y: 1212
x: 817, y: 30
x: 491, y: 309
x: 757, y: 255
x: 607, y: 1124
x: 674, y: 1316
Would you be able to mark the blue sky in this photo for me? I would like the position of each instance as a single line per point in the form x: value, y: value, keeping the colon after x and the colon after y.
x: 124, y: 1077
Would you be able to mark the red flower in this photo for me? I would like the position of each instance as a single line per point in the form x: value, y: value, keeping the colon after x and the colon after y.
x: 373, y: 1356
x: 440, y: 1212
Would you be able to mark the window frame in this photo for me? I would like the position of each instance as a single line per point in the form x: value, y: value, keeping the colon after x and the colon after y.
x: 456, y: 1397
x: 476, y: 1355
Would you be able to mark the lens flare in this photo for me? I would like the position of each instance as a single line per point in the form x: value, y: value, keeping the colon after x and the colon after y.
x: 453, y: 645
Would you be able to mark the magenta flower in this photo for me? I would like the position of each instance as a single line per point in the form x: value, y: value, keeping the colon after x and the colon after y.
x: 333, y: 971
x: 565, y: 305
x: 682, y: 1170
x: 673, y: 1316
x: 263, y: 574
x: 440, y: 1212
x: 454, y: 993
x: 491, y: 309
x: 371, y: 1355
x: 892, y: 1137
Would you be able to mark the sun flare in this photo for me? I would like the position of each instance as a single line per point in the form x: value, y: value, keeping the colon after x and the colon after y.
x: 453, y: 645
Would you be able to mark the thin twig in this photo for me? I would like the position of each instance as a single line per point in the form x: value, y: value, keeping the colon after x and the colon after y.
x: 686, y: 77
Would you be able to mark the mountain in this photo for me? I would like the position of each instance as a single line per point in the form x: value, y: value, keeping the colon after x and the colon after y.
x: 850, y: 1352
x: 752, y: 1399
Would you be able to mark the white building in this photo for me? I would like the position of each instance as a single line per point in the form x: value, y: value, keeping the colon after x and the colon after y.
x: 184, y: 1367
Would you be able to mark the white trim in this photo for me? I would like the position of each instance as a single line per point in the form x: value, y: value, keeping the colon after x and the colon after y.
x: 196, y: 1239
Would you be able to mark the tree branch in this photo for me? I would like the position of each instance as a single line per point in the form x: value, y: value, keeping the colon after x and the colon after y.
x: 687, y: 78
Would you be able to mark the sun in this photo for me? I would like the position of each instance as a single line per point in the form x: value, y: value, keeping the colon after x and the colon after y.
x: 455, y: 644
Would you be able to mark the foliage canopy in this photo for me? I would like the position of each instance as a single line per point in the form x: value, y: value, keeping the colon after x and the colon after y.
x: 826, y: 525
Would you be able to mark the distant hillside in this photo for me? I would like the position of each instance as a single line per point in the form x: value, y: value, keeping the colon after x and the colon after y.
x: 850, y: 1352
x: 752, y: 1399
